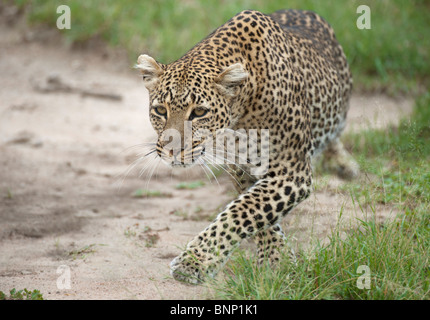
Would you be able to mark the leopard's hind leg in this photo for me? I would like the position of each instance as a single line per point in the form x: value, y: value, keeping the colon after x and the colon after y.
x: 338, y: 160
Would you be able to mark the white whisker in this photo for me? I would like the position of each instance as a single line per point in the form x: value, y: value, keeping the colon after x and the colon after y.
x: 140, y: 145
x: 147, y: 166
x: 148, y: 149
x: 225, y: 170
x: 209, y: 169
x: 126, y: 172
x: 152, y: 171
x: 212, y: 161
x: 204, y: 169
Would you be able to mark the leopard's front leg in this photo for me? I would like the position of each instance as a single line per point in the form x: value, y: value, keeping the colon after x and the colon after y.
x: 262, y: 206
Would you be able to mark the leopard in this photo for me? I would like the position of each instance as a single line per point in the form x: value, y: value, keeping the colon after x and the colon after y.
x: 283, y: 72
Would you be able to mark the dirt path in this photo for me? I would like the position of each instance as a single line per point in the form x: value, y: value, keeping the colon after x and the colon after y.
x: 60, y: 157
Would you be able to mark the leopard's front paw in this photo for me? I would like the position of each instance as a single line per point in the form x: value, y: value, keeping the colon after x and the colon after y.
x: 187, y: 268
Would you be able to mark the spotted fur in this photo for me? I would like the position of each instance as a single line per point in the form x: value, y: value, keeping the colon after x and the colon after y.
x: 285, y: 72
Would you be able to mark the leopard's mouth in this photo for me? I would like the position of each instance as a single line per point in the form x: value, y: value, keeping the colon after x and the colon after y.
x: 184, y: 158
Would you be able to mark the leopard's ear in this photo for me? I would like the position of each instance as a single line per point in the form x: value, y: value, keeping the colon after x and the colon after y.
x: 230, y: 79
x: 150, y: 69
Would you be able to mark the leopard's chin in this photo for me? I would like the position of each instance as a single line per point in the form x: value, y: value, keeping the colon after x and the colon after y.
x: 179, y: 164
x: 182, y: 165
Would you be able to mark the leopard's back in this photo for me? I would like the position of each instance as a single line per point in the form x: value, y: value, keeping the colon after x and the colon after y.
x: 328, y: 116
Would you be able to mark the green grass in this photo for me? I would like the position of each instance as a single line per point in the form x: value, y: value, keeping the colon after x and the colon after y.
x: 190, y: 185
x: 399, y: 157
x: 21, y: 295
x: 396, y: 252
x: 392, y: 55
x: 82, y: 253
x: 396, y: 255
x: 145, y: 193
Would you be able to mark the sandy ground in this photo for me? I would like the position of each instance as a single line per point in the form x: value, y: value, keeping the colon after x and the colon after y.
x: 63, y: 155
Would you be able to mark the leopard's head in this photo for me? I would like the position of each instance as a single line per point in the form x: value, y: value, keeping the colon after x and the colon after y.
x: 190, y: 100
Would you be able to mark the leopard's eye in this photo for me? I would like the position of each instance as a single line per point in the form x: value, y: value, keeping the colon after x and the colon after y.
x: 198, y: 112
x: 160, y: 110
